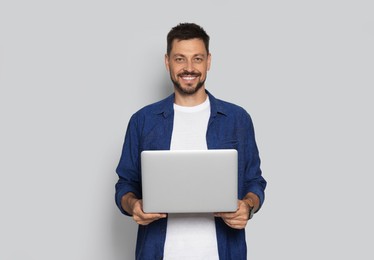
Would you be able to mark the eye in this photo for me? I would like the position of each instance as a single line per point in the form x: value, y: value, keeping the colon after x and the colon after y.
x: 179, y: 59
x: 198, y: 59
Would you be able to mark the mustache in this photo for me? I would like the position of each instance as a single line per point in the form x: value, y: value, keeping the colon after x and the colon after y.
x: 188, y: 73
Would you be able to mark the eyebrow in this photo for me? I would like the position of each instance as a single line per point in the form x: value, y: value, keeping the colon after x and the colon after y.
x: 198, y: 54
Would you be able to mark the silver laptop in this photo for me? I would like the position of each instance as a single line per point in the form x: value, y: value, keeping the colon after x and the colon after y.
x: 189, y: 181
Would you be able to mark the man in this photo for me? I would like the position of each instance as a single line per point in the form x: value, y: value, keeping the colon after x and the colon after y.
x: 190, y: 118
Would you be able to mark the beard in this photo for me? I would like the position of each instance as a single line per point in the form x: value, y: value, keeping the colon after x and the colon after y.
x: 190, y: 90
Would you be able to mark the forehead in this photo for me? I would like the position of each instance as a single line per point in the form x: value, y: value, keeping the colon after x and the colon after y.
x: 192, y: 46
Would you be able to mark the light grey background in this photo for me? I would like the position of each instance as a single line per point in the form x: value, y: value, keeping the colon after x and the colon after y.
x: 73, y: 72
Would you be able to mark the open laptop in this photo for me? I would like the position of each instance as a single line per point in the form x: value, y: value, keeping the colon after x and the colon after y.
x: 189, y: 181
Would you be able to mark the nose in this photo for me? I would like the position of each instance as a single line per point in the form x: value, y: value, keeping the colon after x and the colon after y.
x: 189, y: 66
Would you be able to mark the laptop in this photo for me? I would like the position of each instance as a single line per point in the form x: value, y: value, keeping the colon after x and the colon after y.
x: 189, y: 181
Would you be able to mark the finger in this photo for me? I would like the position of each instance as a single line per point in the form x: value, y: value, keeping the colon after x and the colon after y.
x: 142, y: 221
x: 145, y: 218
x: 138, y: 208
x: 228, y: 215
x: 153, y: 216
x: 236, y: 224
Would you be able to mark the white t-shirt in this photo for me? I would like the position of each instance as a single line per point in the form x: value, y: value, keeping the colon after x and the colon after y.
x: 191, y: 236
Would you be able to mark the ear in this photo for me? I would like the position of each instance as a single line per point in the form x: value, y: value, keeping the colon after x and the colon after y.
x: 209, y: 60
x: 167, y: 62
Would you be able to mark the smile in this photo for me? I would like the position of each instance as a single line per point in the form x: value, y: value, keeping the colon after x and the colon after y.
x: 189, y: 78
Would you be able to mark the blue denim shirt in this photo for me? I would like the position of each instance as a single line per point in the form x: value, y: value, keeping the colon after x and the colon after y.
x: 229, y: 127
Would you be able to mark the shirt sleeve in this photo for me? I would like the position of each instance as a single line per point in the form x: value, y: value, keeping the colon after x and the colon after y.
x: 128, y: 169
x: 252, y: 179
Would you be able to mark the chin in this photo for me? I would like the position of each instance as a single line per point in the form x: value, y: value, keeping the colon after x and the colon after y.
x: 188, y: 90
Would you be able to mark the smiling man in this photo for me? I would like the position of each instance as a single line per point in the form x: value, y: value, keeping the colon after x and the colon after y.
x: 190, y: 119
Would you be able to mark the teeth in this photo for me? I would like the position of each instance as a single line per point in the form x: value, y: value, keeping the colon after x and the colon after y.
x: 188, y: 78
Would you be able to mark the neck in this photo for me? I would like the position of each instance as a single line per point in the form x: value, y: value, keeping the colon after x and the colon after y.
x: 190, y: 100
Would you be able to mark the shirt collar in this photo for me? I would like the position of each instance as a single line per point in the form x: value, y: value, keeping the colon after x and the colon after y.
x: 165, y: 107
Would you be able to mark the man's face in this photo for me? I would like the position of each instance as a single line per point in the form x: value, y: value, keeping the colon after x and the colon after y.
x: 188, y: 64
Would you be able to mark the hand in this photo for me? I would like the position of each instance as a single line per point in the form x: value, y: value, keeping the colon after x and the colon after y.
x: 144, y: 218
x: 134, y: 206
x: 237, y: 219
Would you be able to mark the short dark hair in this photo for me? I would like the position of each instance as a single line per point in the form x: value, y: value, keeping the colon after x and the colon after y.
x: 187, y: 31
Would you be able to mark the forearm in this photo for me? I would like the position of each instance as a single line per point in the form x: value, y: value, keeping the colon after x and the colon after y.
x: 252, y: 199
x: 127, y: 202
